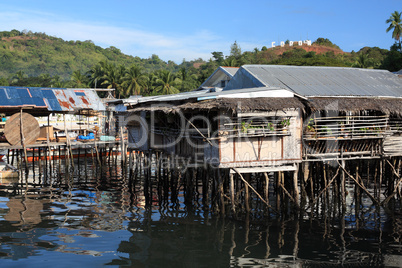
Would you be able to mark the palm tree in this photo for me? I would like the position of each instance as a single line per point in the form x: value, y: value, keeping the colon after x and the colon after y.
x: 133, y: 80
x: 362, y: 61
x: 78, y: 79
x: 148, y: 85
x: 18, y: 77
x: 112, y: 77
x: 230, y: 62
x: 167, y: 82
x: 96, y: 74
x: 57, y: 82
x: 183, y: 73
x: 395, y: 24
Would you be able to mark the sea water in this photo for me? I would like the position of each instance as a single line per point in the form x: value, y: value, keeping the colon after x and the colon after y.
x: 84, y: 216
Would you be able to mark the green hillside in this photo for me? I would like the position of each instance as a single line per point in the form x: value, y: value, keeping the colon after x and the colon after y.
x: 38, y: 53
x: 37, y: 59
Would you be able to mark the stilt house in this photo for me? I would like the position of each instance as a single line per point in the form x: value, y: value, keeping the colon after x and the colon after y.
x: 270, y: 118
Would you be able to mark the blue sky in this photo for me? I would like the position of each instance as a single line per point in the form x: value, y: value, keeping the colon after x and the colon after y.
x: 176, y: 30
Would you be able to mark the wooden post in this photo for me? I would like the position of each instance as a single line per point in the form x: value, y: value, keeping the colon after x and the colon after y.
x: 123, y: 153
x: 247, y: 194
x: 67, y: 148
x: 266, y: 192
x: 380, y: 177
x: 343, y: 189
x: 23, y: 141
x: 295, y: 187
x: 48, y: 146
x: 232, y: 194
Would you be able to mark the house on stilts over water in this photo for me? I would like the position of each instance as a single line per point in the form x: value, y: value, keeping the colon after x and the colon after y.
x: 270, y: 119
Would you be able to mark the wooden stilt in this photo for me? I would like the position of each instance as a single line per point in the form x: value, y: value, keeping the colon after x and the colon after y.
x: 343, y: 188
x: 247, y: 194
x: 296, y: 191
x: 232, y: 193
x: 266, y: 190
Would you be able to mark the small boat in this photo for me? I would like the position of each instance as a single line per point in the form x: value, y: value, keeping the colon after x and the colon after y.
x: 8, y: 174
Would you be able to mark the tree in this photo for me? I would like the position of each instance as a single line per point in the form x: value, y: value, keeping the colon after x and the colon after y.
x: 133, y: 80
x: 167, y: 82
x: 19, y: 76
x: 4, y: 82
x: 79, y: 80
x: 96, y: 74
x: 362, y: 61
x: 112, y: 78
x: 395, y: 24
x: 230, y: 62
x: 235, y: 50
x: 57, y: 82
x: 148, y: 85
x: 218, y: 56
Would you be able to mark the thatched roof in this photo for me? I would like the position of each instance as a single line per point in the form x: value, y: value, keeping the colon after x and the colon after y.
x: 228, y: 104
x: 384, y: 105
x: 344, y: 104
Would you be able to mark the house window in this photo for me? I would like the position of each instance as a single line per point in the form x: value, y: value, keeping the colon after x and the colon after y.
x: 223, y: 83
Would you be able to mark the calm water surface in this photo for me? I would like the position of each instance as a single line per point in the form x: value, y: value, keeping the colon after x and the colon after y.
x: 90, y: 218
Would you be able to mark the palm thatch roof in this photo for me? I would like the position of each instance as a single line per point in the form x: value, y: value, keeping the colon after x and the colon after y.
x: 391, y: 106
x: 228, y: 104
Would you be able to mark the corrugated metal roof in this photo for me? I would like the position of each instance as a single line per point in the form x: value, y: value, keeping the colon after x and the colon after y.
x: 230, y: 70
x: 218, y: 74
x: 209, y: 94
x: 320, y: 81
x: 49, y: 99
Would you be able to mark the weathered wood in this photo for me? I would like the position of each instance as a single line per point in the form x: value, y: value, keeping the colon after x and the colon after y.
x: 259, y: 196
x: 30, y: 129
x: 360, y: 185
x: 232, y: 193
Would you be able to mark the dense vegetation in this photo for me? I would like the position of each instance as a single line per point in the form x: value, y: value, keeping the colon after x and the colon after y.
x: 36, y: 59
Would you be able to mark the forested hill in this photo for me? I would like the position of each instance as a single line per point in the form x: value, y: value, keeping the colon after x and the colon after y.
x: 38, y: 53
x: 36, y: 59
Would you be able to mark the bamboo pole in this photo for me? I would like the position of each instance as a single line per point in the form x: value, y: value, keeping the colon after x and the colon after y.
x: 396, y: 186
x: 259, y: 196
x: 295, y: 187
x: 232, y: 194
x: 266, y: 192
x: 361, y: 186
x: 323, y: 190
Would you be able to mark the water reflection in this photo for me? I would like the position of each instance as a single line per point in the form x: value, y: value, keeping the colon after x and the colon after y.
x: 97, y: 217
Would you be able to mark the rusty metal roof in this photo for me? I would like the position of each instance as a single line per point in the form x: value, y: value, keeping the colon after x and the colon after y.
x: 49, y: 100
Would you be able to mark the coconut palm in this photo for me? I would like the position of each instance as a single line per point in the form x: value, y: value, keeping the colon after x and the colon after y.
x: 167, y: 83
x: 79, y: 79
x: 183, y: 73
x: 96, y: 74
x: 57, y: 82
x: 395, y: 24
x: 148, y: 85
x: 133, y: 80
x: 18, y: 77
x: 362, y: 61
x: 112, y: 77
x: 230, y: 62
